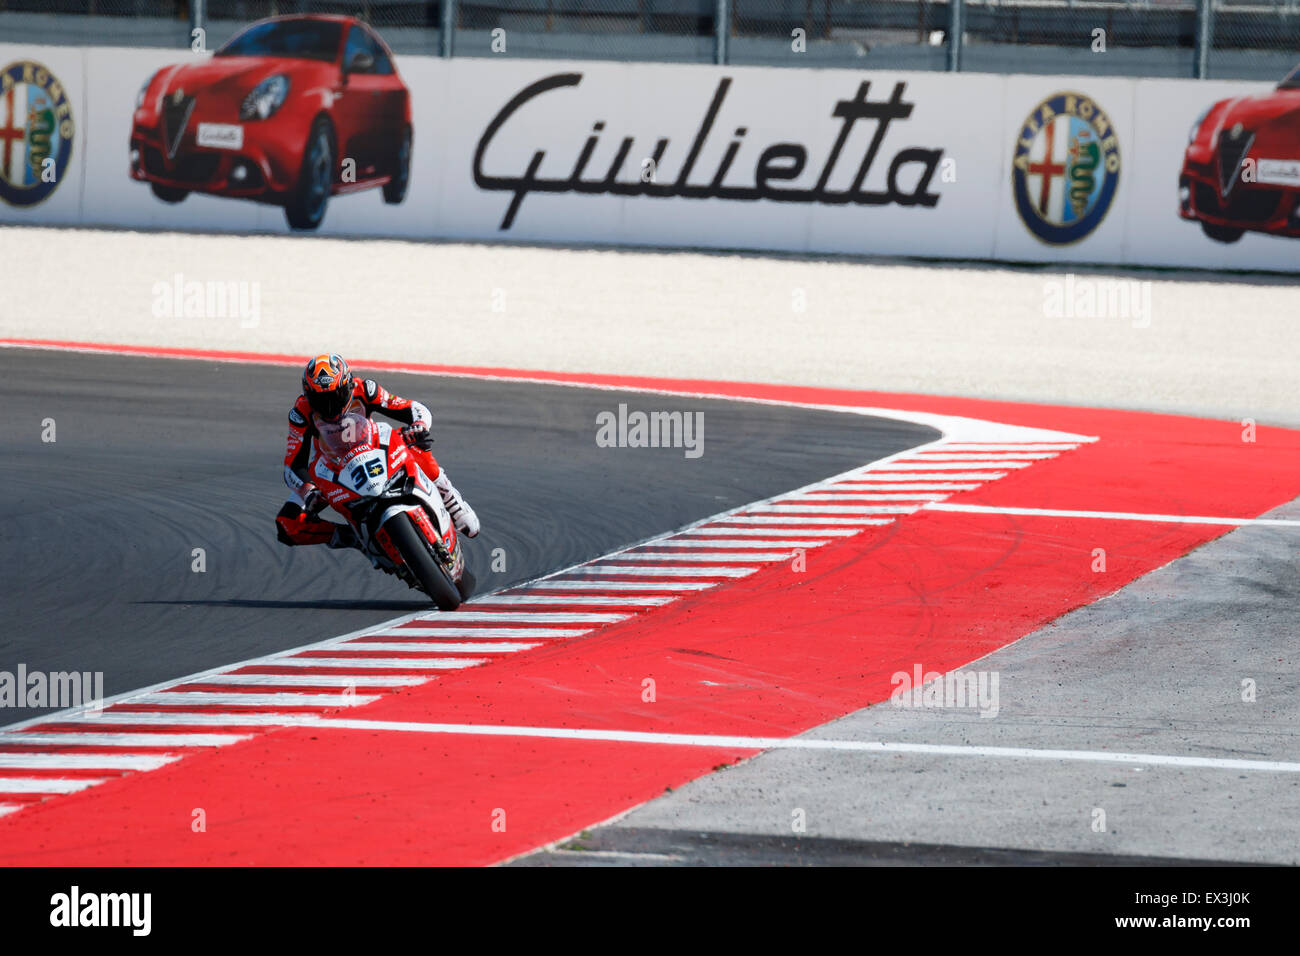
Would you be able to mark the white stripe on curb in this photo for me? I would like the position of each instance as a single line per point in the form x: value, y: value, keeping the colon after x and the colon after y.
x: 615, y: 587
x: 45, y: 784
x: 424, y: 647
x: 316, y: 680
x: 199, y: 698
x: 827, y: 533
x: 941, y: 466
x: 65, y: 761
x: 74, y: 738
x: 743, y: 543
x: 742, y: 557
x: 617, y: 570
x: 453, y: 630
x: 376, y: 663
x: 927, y: 476
x: 800, y: 520
x: 572, y: 600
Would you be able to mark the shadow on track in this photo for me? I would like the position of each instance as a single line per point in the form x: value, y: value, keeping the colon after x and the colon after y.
x: 322, y: 605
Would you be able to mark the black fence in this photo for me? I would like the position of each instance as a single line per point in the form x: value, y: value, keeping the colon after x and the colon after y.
x: 1220, y: 38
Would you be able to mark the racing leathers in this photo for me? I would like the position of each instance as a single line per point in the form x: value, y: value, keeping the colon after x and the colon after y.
x: 298, y: 522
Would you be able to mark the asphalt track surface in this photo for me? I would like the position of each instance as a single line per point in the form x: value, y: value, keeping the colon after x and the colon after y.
x: 154, y: 458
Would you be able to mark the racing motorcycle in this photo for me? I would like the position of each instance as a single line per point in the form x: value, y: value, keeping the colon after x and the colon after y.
x: 366, y: 473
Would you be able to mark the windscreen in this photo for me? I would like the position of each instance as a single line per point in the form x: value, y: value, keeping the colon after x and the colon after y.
x: 296, y: 39
x: 338, y: 439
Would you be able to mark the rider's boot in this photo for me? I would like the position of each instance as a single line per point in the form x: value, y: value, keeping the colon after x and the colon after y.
x: 344, y: 537
x: 461, y: 513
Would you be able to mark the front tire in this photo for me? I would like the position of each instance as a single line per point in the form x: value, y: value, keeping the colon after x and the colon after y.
x: 305, y: 208
x: 434, y: 579
x: 1222, y: 233
x: 395, y: 188
x: 169, y: 194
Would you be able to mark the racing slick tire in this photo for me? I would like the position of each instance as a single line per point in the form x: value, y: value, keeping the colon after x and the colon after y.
x: 433, y: 578
x: 466, y: 585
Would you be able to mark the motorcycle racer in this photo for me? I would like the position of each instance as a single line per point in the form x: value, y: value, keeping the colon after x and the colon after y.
x: 329, y: 392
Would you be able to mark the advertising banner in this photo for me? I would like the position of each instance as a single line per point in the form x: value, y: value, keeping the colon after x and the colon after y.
x: 312, y: 127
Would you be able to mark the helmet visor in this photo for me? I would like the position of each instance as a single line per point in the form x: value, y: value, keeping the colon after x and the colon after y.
x: 330, y: 405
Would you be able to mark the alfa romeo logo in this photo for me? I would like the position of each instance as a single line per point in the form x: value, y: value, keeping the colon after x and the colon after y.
x: 35, y: 133
x: 1066, y: 168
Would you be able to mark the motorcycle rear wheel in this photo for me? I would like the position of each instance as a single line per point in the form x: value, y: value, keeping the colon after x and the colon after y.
x: 434, y: 579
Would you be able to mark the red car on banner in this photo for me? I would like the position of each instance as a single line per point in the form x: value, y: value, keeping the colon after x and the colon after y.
x: 291, y: 111
x: 1241, y: 171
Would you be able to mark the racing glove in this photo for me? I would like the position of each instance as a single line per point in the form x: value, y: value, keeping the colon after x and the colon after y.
x: 417, y: 436
x: 313, y: 502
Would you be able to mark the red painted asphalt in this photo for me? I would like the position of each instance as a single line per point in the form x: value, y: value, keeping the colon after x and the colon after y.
x: 773, y: 654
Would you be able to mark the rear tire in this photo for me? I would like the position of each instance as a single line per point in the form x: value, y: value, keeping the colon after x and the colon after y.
x: 434, y: 579
x: 466, y: 585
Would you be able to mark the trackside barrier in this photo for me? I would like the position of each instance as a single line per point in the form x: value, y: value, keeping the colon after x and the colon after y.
x: 970, y: 166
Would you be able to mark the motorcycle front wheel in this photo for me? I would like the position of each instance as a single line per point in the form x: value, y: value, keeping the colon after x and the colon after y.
x: 434, y: 579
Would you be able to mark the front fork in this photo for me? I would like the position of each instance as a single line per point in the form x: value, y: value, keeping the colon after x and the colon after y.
x: 448, y: 552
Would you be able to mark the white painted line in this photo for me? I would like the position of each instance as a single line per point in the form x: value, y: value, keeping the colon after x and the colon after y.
x: 774, y: 532
x: 199, y: 698
x: 467, y: 614
x: 44, y: 785
x: 1008, y: 446
x: 452, y: 630
x: 743, y: 557
x: 932, y: 476
x: 800, y: 520
x: 615, y: 587
x: 615, y: 855
x: 901, y: 465
x: 811, y: 743
x: 317, y: 680
x: 573, y: 600
x: 757, y: 543
x: 378, y: 663
x: 477, y: 647
x: 1116, y: 515
x: 182, y: 718
x: 948, y: 455
x: 813, y: 497
x: 837, y: 509
x: 62, y: 761
x: 123, y: 739
x: 8, y: 808
x: 896, y: 484
x: 653, y: 572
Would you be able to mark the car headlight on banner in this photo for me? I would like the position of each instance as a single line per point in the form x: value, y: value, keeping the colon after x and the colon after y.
x: 266, y: 98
